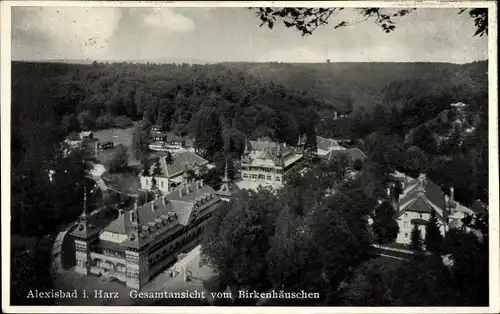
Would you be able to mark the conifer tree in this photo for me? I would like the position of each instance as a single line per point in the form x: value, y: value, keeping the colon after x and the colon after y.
x: 416, y: 239
x: 433, y: 238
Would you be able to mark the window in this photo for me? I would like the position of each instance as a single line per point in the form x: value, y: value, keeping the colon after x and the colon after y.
x: 406, y: 224
x: 245, y: 175
x: 161, y: 184
x: 254, y: 176
x: 420, y: 215
x: 268, y: 177
x: 406, y: 235
x: 278, y: 179
x: 406, y: 214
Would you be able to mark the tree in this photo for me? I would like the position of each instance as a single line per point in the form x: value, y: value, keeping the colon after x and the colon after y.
x: 424, y: 281
x: 291, y: 251
x: 370, y: 284
x: 86, y: 120
x: 433, y: 239
x: 416, y: 239
x: 385, y: 225
x: 341, y: 234
x: 140, y: 144
x: 415, y: 161
x: 30, y: 270
x: 357, y: 165
x: 168, y: 158
x: 118, y: 160
x: 234, y: 247
x: 70, y: 123
x: 209, y: 134
x: 307, y: 20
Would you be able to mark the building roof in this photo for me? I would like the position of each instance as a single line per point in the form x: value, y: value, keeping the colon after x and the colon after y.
x: 186, y: 160
x: 326, y: 143
x: 166, y: 213
x: 351, y: 153
x: 422, y: 196
x: 267, y: 153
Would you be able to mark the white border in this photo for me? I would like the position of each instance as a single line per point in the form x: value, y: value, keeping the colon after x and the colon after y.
x: 5, y: 19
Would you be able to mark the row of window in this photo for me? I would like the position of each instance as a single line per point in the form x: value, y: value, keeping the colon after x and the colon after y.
x: 153, y: 260
x: 132, y: 259
x: 80, y: 247
x: 177, y: 234
x: 260, y: 177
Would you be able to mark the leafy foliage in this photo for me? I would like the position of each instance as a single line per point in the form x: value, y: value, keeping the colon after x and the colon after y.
x: 385, y: 225
x: 433, y: 239
x: 307, y: 20
x: 118, y: 160
x: 416, y: 243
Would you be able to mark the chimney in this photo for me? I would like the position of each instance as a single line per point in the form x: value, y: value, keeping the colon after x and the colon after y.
x: 181, y: 194
x: 188, y: 189
x: 120, y: 211
x: 452, y: 194
x: 165, y: 201
x: 152, y: 205
x: 201, y: 183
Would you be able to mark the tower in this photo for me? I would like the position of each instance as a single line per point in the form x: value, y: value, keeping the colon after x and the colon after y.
x: 84, y: 234
x: 227, y: 189
x: 246, y: 153
x: 136, y: 259
x: 279, y: 156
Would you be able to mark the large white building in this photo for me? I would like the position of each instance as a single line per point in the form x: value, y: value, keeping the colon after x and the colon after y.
x: 147, y: 239
x: 419, y: 198
x: 170, y: 174
x: 268, y: 163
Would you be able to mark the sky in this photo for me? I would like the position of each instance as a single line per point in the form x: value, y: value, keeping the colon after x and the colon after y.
x: 217, y: 34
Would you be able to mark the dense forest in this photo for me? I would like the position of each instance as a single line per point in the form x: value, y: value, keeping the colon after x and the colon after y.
x: 222, y: 104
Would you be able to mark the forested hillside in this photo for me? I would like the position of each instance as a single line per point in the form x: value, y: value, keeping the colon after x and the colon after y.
x: 239, y: 100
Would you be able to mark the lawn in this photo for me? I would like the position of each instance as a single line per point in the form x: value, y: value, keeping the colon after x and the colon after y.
x: 117, y: 136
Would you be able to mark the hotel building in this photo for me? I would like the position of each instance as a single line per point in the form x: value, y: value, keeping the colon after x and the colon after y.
x: 170, y: 174
x: 145, y: 240
x: 269, y: 163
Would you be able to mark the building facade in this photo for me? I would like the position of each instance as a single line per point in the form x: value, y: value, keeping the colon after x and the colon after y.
x: 145, y: 240
x: 417, y: 199
x: 269, y: 163
x: 168, y: 175
x: 167, y: 141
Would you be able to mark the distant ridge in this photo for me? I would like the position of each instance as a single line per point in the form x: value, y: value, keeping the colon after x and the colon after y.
x: 152, y: 60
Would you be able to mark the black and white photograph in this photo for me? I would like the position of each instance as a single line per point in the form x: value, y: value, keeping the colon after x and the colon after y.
x: 209, y: 156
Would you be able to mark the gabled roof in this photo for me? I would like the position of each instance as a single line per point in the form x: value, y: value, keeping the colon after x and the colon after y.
x: 352, y: 153
x: 422, y: 196
x: 180, y: 162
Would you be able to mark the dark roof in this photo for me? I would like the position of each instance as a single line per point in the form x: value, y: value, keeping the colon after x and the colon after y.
x: 419, y: 205
x: 420, y: 196
x: 180, y: 162
x: 165, y: 213
x: 431, y: 191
